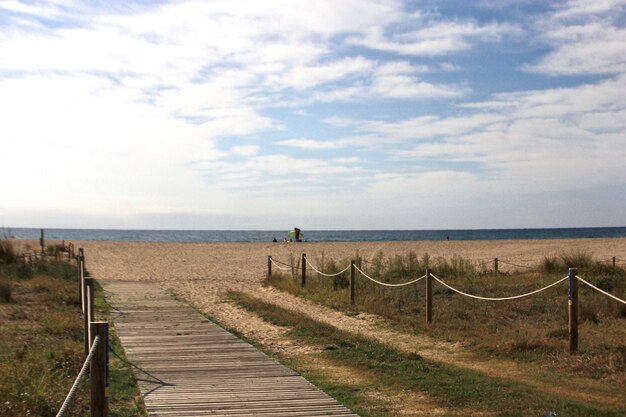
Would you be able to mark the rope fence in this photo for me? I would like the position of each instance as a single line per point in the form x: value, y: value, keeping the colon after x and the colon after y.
x: 96, y: 339
x: 52, y: 251
x: 514, y: 297
x: 280, y: 262
x: 601, y: 291
x: 284, y: 266
x: 323, y: 273
x: 516, y: 265
x: 429, y: 277
x: 277, y: 265
x: 386, y: 284
x: 83, y: 371
x: 95, y: 333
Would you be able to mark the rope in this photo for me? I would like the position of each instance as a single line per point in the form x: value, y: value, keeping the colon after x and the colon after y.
x: 140, y: 369
x: 280, y: 262
x: 603, y: 292
x: 81, y: 375
x: 280, y: 267
x: 498, y: 298
x: 517, y: 265
x: 322, y: 273
x: 387, y: 284
x: 112, y: 306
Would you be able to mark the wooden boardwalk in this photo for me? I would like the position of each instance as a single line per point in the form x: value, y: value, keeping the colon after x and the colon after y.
x: 188, y: 366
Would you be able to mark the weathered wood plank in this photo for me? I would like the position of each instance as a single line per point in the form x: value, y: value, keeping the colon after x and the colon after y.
x: 188, y: 366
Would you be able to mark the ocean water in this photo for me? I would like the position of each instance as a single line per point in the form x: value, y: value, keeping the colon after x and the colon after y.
x: 312, y: 236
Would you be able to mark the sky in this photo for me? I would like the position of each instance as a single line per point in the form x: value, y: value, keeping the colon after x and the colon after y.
x: 326, y: 114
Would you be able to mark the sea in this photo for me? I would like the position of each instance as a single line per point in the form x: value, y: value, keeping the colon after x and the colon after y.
x: 310, y: 236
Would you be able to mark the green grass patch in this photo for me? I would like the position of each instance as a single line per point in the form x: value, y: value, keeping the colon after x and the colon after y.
x: 449, y: 386
x: 41, y: 349
x: 124, y: 396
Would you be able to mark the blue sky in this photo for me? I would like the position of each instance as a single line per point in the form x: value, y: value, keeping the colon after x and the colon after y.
x: 354, y: 114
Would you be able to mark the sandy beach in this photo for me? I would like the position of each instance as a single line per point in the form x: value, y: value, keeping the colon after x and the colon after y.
x: 245, y: 264
x: 202, y: 273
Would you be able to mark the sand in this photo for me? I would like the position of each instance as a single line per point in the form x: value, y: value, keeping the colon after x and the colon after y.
x: 234, y: 264
x: 202, y: 273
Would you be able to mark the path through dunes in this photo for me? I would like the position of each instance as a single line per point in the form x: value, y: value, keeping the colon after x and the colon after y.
x: 188, y: 366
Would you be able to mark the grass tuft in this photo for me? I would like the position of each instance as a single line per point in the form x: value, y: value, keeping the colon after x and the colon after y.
x: 8, y: 253
x: 581, y: 260
x: 5, y: 292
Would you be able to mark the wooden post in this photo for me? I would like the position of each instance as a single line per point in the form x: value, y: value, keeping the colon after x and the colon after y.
x: 98, y: 371
x: 269, y: 266
x: 572, y: 304
x: 352, y: 282
x: 89, y: 312
x: 81, y: 253
x: 303, y: 270
x: 429, y: 297
x: 614, y: 262
x: 42, y: 243
x: 81, y: 277
x: 495, y: 265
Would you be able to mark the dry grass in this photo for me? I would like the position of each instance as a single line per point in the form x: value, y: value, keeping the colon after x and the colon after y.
x: 5, y: 291
x: 40, y: 351
x: 528, y: 329
x: 8, y: 253
x: 384, y: 371
x: 41, y: 348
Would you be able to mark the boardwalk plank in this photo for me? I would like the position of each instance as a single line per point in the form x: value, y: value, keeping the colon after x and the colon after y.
x: 188, y: 366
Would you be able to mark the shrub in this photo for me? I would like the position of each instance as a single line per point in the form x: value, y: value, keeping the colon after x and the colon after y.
x: 582, y: 261
x: 550, y: 265
x: 577, y: 259
x: 8, y: 254
x: 52, y: 250
x: 5, y: 292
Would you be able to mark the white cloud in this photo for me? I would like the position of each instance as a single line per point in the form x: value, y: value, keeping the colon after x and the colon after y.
x: 50, y: 9
x: 422, y: 127
x: 246, y: 150
x: 306, y: 77
x: 134, y: 98
x: 396, y: 80
x: 595, y: 48
x: 584, y: 8
x: 347, y: 160
x: 434, y: 38
x: 604, y: 121
x: 434, y: 184
x: 447, y: 66
x: 538, y: 141
x: 312, y: 144
x: 279, y: 176
x: 585, y: 37
x: 562, y: 102
x: 92, y: 146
